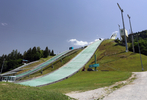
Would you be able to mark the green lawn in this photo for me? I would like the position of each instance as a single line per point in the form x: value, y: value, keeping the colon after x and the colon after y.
x: 111, y: 57
x: 85, y: 80
x: 10, y: 91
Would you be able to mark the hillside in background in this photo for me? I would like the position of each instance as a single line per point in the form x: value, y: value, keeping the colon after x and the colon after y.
x: 115, y: 65
x: 112, y: 57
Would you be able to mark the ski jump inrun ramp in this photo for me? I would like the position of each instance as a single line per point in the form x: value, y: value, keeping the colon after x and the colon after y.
x: 66, y: 70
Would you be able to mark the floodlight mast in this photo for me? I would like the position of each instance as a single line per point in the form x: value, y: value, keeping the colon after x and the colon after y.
x: 131, y: 33
x: 140, y: 53
x: 128, y: 16
x: 120, y: 7
x: 123, y: 27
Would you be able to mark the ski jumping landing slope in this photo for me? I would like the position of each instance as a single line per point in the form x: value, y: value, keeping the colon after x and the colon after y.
x: 66, y: 70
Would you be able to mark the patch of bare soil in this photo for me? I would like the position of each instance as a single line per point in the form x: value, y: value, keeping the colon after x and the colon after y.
x: 99, y: 93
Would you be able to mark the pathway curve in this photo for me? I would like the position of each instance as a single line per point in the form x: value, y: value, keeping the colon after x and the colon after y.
x: 134, y: 91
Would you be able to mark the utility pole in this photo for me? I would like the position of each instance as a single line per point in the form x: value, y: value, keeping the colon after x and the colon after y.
x: 140, y: 54
x: 123, y: 27
x: 95, y: 61
x: 131, y: 34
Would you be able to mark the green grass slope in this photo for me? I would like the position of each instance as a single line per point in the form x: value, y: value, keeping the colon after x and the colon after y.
x: 115, y: 65
x: 10, y: 91
x: 83, y: 81
x: 112, y: 57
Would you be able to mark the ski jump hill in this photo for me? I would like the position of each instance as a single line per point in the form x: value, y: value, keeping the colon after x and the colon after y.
x: 67, y: 70
x: 6, y: 76
x: 41, y: 66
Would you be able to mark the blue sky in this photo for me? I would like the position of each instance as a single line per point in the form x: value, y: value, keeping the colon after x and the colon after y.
x: 60, y: 24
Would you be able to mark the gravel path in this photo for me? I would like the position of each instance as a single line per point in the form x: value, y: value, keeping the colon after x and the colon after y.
x: 88, y: 95
x: 135, y: 90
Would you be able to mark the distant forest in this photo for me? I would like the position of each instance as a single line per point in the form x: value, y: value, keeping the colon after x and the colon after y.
x: 14, y: 59
x: 140, y: 37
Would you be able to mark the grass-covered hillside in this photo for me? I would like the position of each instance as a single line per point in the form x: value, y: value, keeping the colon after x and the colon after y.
x: 115, y: 65
x: 112, y: 57
x: 10, y: 91
x: 83, y: 81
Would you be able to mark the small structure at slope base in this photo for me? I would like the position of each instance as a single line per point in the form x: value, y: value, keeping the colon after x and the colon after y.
x: 94, y: 65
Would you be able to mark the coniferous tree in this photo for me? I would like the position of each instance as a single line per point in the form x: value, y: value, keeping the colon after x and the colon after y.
x: 29, y: 55
x: 52, y: 53
x: 14, y: 59
x: 46, y: 52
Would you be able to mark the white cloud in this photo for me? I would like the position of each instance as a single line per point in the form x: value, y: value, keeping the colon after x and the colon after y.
x: 78, y: 43
x: 81, y: 43
x: 90, y: 42
x: 96, y: 39
x: 4, y: 24
x: 72, y: 40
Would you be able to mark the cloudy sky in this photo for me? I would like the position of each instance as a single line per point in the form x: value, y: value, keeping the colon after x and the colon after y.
x: 60, y: 24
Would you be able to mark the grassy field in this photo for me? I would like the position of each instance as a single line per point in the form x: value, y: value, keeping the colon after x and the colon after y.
x: 112, y: 57
x: 83, y: 81
x: 115, y: 65
x: 10, y: 91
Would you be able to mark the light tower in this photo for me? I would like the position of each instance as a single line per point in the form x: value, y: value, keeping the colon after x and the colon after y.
x: 131, y: 34
x: 123, y: 27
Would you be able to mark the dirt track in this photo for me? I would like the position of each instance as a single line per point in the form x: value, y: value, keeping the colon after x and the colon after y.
x: 135, y: 90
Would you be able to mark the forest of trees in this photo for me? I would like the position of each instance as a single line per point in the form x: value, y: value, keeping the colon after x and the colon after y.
x: 139, y: 37
x: 14, y: 59
x: 142, y: 39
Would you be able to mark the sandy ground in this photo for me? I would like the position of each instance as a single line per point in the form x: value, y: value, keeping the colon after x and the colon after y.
x: 128, y: 90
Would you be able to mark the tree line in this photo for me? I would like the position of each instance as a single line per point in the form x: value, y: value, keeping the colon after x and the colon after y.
x: 139, y: 37
x: 14, y: 59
